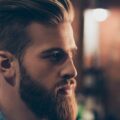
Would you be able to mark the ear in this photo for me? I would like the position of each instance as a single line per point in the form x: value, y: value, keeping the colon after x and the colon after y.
x: 8, y: 67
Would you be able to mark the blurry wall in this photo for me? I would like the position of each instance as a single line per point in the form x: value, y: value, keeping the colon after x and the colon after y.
x: 105, y: 55
x: 110, y: 58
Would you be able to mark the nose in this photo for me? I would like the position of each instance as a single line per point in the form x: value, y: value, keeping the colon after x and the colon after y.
x: 68, y: 70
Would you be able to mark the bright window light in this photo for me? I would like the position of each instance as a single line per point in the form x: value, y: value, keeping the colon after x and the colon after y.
x: 91, y: 33
x: 100, y: 14
x: 92, y: 17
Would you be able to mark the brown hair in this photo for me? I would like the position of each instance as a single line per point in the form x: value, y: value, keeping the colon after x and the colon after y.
x: 17, y: 15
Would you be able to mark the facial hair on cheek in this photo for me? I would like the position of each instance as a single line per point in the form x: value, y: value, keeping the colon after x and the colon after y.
x: 44, y: 103
x: 36, y: 97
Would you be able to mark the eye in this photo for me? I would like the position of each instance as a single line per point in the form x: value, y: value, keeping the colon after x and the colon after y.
x: 55, y: 56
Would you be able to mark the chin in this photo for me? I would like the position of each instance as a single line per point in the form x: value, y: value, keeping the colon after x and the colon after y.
x: 66, y: 107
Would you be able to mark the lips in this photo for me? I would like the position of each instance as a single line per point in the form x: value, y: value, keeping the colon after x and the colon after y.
x: 66, y: 90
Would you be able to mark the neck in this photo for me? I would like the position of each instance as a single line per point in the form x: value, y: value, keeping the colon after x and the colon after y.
x: 17, y: 110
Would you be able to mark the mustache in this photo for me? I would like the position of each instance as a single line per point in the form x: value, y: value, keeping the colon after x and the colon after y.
x: 65, y: 82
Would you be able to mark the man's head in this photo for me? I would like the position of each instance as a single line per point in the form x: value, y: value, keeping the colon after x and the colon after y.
x: 38, y: 37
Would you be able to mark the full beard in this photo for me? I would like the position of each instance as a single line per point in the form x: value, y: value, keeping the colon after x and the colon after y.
x: 44, y: 103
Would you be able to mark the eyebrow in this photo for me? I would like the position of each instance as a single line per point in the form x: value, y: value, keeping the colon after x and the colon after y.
x: 52, y: 50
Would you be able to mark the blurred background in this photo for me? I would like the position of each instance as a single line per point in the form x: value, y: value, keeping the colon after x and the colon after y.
x: 97, y: 34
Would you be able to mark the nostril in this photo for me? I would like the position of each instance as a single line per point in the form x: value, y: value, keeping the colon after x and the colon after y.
x: 68, y: 79
x: 68, y: 76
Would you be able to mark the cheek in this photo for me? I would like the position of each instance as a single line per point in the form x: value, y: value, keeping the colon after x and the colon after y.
x: 44, y: 74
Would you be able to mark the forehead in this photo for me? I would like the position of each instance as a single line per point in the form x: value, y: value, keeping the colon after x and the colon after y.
x: 51, y: 36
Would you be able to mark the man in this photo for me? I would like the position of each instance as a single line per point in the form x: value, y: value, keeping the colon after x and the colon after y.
x: 37, y: 73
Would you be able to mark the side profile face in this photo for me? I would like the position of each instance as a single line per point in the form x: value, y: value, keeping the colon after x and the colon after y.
x: 48, y: 73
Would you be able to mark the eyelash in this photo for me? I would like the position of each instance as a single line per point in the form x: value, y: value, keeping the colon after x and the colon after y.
x: 56, y: 58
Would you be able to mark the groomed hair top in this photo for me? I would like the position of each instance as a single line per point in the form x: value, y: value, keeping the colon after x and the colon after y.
x: 44, y: 11
x: 17, y: 15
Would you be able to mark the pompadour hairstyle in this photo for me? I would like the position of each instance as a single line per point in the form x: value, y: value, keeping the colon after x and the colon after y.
x: 17, y: 15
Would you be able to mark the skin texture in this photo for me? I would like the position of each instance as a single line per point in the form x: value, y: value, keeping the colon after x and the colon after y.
x: 45, y: 38
x: 46, y: 71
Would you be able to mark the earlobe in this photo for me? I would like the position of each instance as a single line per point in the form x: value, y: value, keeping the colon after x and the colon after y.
x: 7, y: 67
